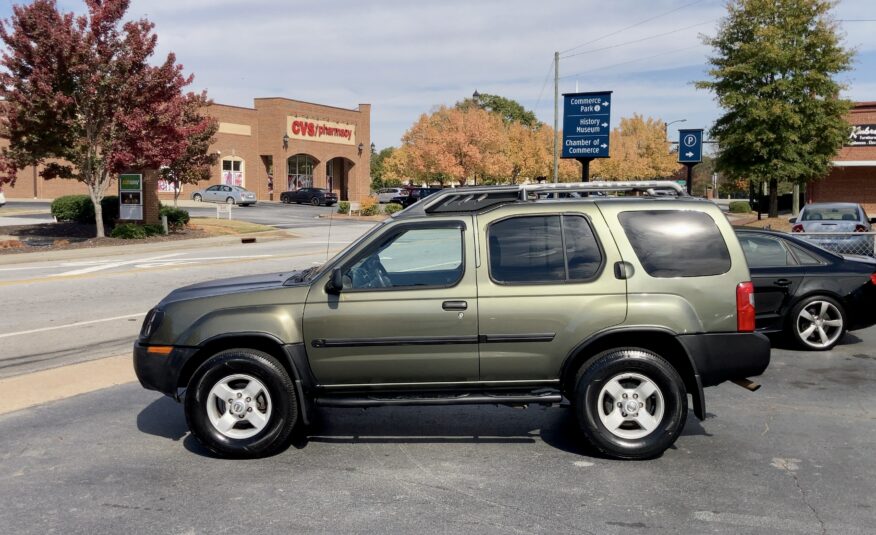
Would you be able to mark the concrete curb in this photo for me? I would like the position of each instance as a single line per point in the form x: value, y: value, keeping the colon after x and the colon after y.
x: 114, y: 250
x: 31, y: 389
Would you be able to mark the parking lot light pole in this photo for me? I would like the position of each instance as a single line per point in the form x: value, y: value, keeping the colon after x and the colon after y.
x: 666, y: 127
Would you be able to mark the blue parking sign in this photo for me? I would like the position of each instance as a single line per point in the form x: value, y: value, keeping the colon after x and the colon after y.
x: 690, y: 146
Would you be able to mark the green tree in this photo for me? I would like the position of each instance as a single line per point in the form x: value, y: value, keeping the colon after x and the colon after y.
x: 378, y: 160
x: 773, y: 73
x: 511, y: 111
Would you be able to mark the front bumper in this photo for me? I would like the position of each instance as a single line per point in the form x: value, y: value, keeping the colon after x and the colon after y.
x: 160, y: 372
x: 722, y: 357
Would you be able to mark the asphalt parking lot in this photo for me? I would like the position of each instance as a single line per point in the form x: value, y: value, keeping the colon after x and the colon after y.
x: 794, y: 457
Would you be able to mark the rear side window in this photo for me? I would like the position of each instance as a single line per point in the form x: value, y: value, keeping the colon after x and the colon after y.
x: 676, y: 243
x: 543, y: 249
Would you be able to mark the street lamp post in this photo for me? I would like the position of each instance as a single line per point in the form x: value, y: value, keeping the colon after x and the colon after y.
x: 666, y: 126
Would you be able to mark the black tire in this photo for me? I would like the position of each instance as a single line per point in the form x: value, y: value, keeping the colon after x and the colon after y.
x: 314, y: 201
x: 261, y: 366
x: 284, y: 199
x: 628, y: 364
x: 196, y: 197
x: 835, y: 312
x: 229, y: 200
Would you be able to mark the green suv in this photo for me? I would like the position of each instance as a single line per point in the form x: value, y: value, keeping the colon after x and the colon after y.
x: 623, y: 304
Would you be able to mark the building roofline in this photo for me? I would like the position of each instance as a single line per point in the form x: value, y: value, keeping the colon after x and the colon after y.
x: 863, y: 105
x: 232, y: 106
x: 356, y: 110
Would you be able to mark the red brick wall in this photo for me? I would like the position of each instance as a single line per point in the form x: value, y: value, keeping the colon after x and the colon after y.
x: 267, y: 122
x: 846, y: 183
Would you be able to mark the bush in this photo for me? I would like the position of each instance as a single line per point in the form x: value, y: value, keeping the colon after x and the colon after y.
x: 154, y: 230
x: 80, y: 209
x: 77, y: 208
x: 177, y: 218
x: 370, y: 206
x: 740, y: 207
x: 343, y: 207
x: 129, y: 231
x: 392, y: 208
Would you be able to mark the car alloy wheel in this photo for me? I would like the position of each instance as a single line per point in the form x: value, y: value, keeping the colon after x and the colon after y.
x: 239, y: 406
x: 630, y: 406
x: 314, y: 201
x: 229, y: 200
x: 196, y: 197
x: 819, y: 324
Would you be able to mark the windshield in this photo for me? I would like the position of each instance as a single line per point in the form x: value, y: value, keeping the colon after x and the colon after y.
x: 314, y: 272
x: 840, y: 213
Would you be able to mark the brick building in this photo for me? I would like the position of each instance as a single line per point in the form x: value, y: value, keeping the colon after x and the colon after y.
x: 853, y: 177
x: 276, y: 145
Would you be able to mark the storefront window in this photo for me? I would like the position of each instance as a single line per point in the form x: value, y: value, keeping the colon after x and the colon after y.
x: 330, y: 175
x: 300, y: 171
x: 232, y: 172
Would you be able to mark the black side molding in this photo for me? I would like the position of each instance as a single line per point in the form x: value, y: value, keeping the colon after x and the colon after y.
x: 395, y: 341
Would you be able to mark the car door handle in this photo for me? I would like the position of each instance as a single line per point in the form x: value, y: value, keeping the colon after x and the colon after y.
x: 782, y: 282
x: 454, y: 305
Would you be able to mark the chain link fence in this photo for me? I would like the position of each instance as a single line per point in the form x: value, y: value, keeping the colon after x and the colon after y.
x: 857, y: 243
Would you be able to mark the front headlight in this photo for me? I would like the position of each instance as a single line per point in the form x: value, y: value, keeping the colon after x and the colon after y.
x: 151, y: 323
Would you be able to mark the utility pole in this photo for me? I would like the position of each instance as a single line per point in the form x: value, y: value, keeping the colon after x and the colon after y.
x: 556, y: 114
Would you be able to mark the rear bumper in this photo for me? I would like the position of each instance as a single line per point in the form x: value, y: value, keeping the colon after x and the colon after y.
x: 722, y: 357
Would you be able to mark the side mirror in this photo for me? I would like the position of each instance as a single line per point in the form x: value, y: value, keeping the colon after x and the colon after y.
x: 792, y: 220
x: 335, y: 283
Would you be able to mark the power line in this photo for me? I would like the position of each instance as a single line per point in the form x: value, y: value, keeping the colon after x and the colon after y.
x: 631, y: 26
x: 631, y: 61
x: 594, y: 50
x: 544, y: 85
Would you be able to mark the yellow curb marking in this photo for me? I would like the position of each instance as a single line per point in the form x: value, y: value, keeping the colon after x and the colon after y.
x: 23, y: 391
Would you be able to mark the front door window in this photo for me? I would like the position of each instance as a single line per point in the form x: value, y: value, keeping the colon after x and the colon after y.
x: 299, y: 172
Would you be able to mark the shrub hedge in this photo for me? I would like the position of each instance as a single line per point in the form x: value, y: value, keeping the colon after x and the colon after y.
x: 129, y: 231
x: 80, y: 209
x: 370, y: 206
x: 177, y: 218
x: 740, y: 207
x: 343, y: 207
x: 392, y: 208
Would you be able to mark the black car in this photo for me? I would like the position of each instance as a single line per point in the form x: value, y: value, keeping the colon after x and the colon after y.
x: 314, y: 196
x: 806, y: 292
x: 415, y: 195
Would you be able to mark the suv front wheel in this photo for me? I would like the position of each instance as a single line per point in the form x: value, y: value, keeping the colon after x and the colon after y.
x: 631, y: 403
x: 241, y: 403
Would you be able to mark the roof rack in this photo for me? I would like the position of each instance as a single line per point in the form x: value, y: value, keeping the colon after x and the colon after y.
x: 470, y: 199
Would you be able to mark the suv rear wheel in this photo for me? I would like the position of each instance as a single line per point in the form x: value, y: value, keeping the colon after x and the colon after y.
x: 241, y: 403
x: 630, y: 403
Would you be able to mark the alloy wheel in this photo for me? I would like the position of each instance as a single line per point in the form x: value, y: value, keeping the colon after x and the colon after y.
x: 630, y: 406
x: 239, y: 406
x: 819, y: 324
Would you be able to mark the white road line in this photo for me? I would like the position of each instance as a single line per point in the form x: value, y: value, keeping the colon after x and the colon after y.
x: 111, y: 265
x: 74, y: 324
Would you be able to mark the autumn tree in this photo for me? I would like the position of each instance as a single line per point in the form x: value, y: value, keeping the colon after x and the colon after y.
x: 465, y: 145
x: 196, y: 160
x: 80, y: 96
x: 378, y: 162
x: 773, y: 73
x: 638, y: 152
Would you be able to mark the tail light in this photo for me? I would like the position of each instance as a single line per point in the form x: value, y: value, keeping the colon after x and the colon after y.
x: 873, y: 278
x: 860, y: 228
x: 745, y: 307
x: 797, y: 228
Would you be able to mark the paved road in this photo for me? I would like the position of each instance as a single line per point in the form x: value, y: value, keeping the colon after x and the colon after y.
x: 91, y: 304
x: 266, y: 213
x: 795, y: 457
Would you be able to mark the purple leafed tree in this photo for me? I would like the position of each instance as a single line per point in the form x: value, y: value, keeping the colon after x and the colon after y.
x: 80, y: 97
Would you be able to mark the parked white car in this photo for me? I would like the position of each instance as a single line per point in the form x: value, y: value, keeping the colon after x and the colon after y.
x: 2, y: 198
x: 385, y: 195
x: 227, y: 194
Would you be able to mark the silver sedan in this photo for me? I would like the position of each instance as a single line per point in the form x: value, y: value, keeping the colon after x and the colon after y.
x: 227, y: 194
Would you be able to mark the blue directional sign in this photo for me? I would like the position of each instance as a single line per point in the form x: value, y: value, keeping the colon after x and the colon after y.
x: 586, y: 124
x: 690, y: 146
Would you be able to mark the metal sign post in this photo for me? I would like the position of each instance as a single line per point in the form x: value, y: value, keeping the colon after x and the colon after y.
x: 690, y: 152
x: 586, y: 127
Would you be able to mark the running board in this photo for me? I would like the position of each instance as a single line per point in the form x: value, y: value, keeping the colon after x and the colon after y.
x: 480, y: 399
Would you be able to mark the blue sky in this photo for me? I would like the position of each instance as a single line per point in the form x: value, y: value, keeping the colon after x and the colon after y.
x: 406, y: 57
